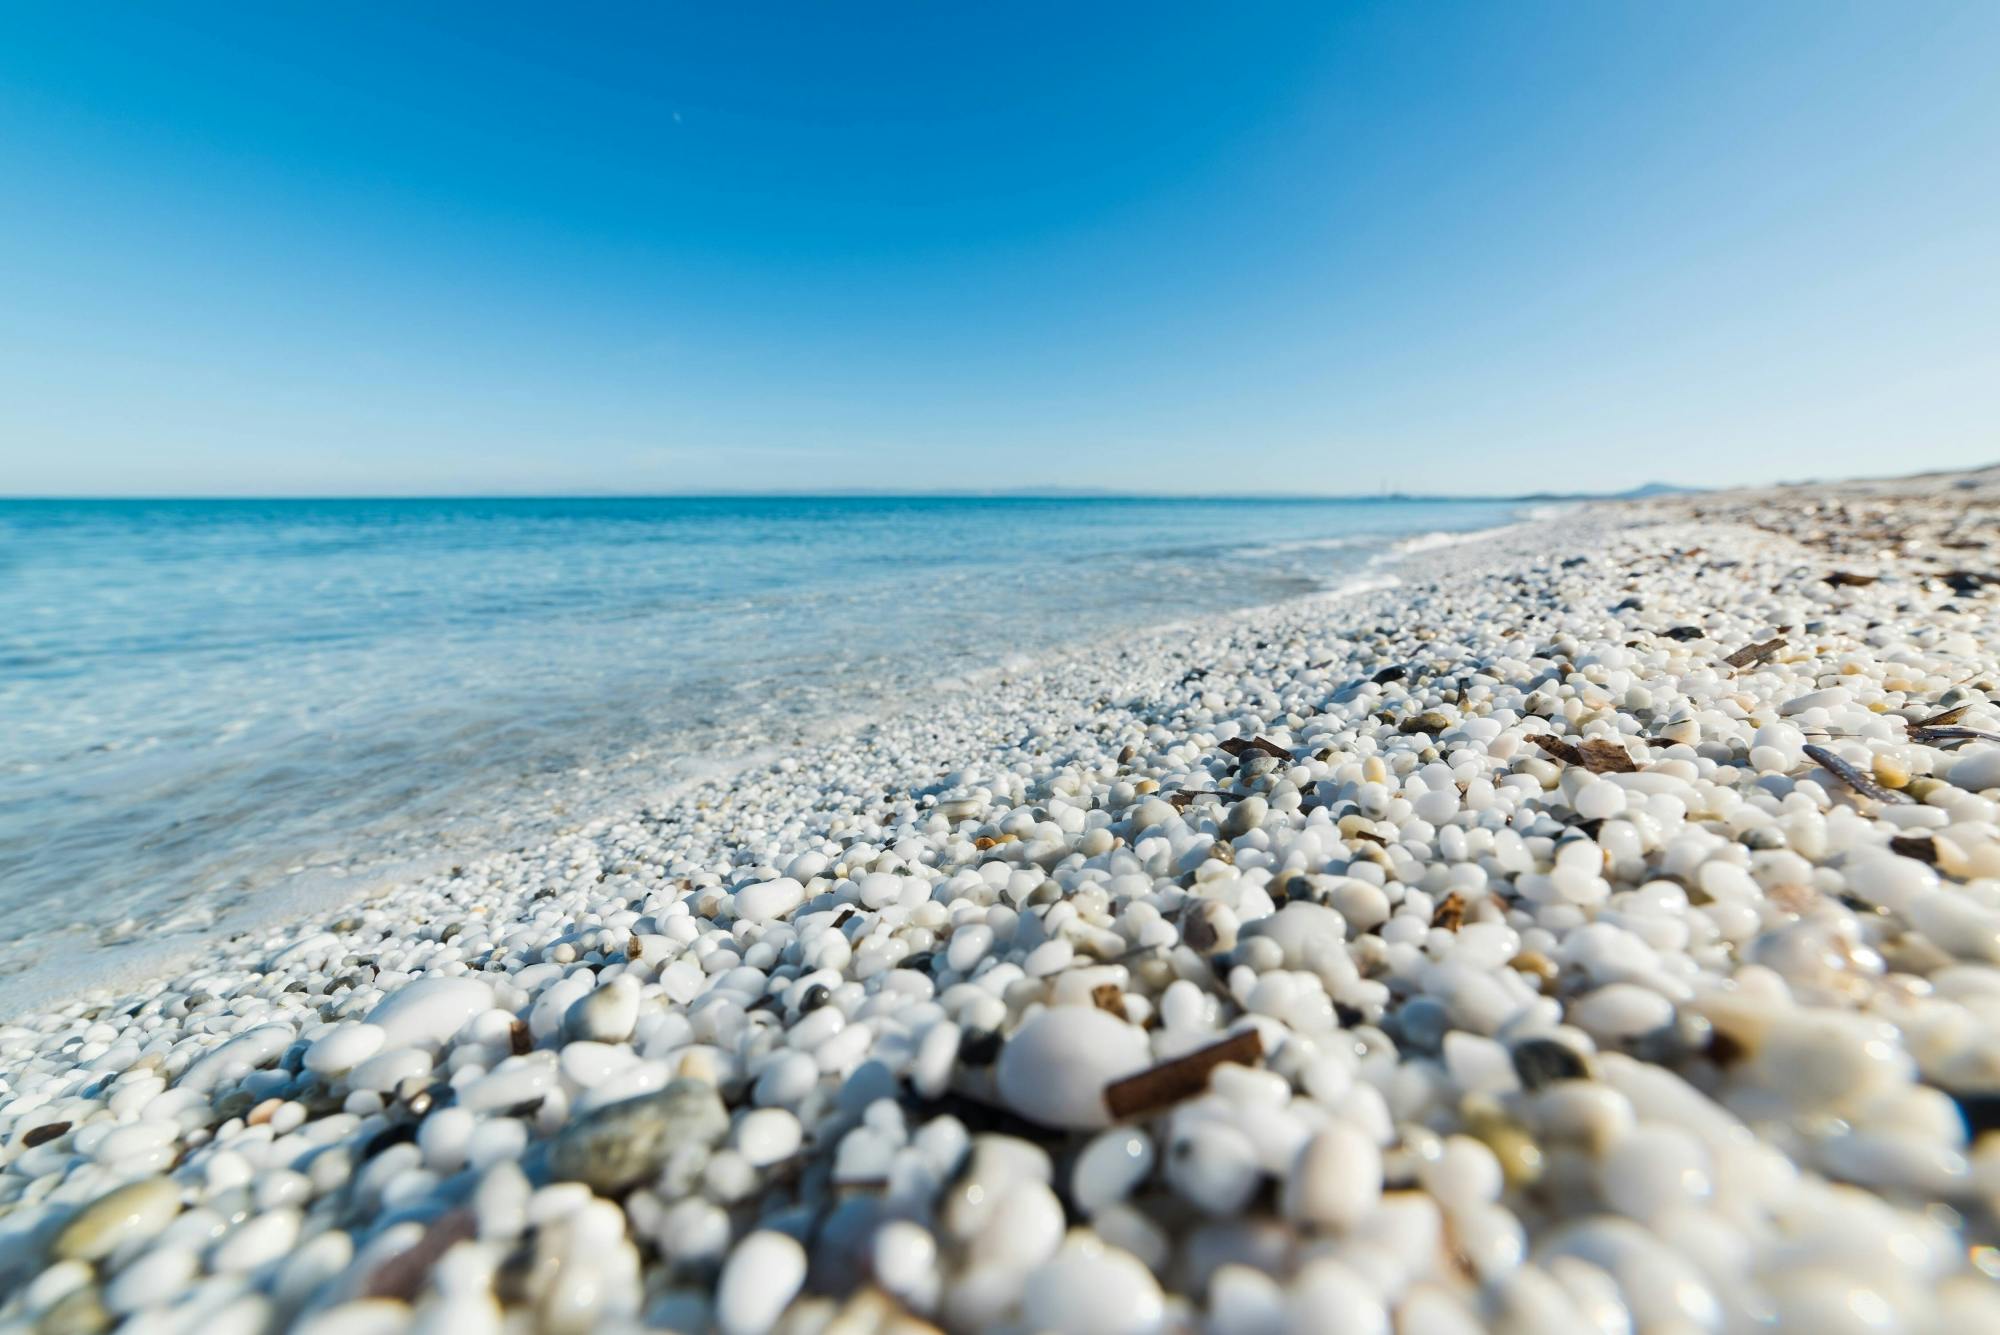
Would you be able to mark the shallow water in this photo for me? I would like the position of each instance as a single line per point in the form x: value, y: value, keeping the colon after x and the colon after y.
x: 201, y: 699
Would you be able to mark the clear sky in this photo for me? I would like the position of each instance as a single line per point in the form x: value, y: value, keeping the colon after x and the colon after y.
x: 1172, y: 247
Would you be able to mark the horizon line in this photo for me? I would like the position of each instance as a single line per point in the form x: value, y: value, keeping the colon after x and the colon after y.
x: 1053, y: 494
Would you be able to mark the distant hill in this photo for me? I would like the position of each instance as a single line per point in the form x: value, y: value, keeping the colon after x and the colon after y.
x: 1638, y: 493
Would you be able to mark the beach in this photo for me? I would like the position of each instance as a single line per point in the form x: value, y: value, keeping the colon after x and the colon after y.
x: 217, y: 714
x: 1588, y: 924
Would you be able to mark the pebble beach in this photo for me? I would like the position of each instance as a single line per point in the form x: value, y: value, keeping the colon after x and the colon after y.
x: 1596, y: 928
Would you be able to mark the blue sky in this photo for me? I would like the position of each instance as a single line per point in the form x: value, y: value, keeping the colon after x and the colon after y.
x: 518, y: 248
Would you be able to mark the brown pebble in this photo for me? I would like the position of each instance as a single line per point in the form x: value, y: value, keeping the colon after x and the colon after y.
x: 44, y: 1133
x: 1536, y: 963
x: 1450, y: 914
x: 1109, y: 997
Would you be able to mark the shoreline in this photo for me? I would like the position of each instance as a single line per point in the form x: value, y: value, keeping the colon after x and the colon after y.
x: 343, y: 881
x: 1715, y: 986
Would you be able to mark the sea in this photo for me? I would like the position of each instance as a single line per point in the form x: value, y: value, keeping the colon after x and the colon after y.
x: 216, y: 710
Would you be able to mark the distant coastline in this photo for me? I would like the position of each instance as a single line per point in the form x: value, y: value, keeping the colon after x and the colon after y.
x: 1644, y: 492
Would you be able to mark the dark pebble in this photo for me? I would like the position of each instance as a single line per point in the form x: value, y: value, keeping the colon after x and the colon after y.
x: 44, y: 1133
x: 1544, y: 1061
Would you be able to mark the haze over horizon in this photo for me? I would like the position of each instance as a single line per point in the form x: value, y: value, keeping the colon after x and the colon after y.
x: 1286, y: 249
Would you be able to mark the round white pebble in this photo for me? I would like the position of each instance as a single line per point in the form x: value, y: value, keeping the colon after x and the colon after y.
x: 1054, y: 1068
x: 762, y: 1276
x: 1093, y: 1291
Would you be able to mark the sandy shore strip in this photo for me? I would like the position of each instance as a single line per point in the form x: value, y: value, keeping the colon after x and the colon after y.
x: 1597, y: 930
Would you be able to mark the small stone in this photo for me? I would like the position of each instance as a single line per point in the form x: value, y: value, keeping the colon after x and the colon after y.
x: 768, y: 1136
x: 1093, y: 1290
x: 1652, y: 1169
x: 764, y: 1273
x: 1244, y: 816
x: 766, y: 900
x: 1600, y: 800
x: 429, y: 1011
x: 237, y: 1057
x: 623, y: 1144
x: 1543, y: 1061
x: 1890, y: 771
x: 1054, y: 1068
x: 79, y: 1312
x: 346, y: 1047
x: 1336, y: 1180
x: 137, y: 1210
x: 1621, y: 1011
x: 43, y: 1134
x: 1976, y: 771
x: 605, y: 1015
x: 1109, y: 1167
x: 1308, y: 934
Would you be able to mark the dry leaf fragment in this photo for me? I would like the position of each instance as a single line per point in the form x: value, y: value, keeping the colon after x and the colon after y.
x: 1559, y: 748
x: 1606, y: 757
x: 1236, y: 746
x: 1755, y: 653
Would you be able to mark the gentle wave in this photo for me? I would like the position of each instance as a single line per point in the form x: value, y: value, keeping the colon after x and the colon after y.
x: 243, y: 698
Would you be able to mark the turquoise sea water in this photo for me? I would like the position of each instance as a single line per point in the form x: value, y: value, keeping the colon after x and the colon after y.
x: 200, y: 700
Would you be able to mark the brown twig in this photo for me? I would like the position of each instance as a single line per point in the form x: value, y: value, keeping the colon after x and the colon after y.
x: 1168, y: 1083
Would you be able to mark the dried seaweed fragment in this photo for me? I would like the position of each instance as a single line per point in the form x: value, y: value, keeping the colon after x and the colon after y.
x: 1755, y: 653
x: 1948, y: 735
x: 1606, y: 757
x: 1168, y: 1083
x: 1852, y: 777
x: 1942, y: 718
